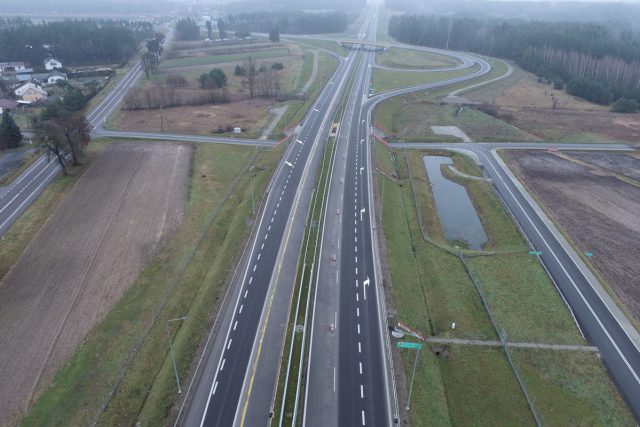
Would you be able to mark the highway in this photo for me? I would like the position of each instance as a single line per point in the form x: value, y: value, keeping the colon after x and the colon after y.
x: 223, y: 385
x: 600, y: 319
x: 349, y: 377
x: 350, y: 373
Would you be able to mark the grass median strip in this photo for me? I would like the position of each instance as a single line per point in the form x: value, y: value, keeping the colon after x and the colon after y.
x: 122, y: 374
x: 304, y: 288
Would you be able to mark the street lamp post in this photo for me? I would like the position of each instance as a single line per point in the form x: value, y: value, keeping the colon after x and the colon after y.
x: 253, y: 201
x: 173, y: 356
x: 412, y: 378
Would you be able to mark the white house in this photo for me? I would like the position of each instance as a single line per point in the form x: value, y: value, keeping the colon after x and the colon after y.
x: 14, y: 66
x: 49, y: 78
x: 52, y: 64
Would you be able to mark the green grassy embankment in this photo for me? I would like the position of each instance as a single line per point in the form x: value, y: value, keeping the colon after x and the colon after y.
x: 123, y: 374
x: 414, y: 59
x: 384, y: 80
x: 431, y: 289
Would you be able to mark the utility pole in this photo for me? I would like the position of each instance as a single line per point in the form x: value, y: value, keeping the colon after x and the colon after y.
x: 173, y: 356
x: 414, y: 346
x: 253, y: 202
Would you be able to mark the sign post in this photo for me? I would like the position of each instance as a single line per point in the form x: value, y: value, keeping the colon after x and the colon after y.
x: 414, y: 346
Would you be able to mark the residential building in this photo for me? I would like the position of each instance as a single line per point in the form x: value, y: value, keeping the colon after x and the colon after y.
x: 49, y: 78
x: 31, y: 93
x: 11, y: 66
x: 52, y: 64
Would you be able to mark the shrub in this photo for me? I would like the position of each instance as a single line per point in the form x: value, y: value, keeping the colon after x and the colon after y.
x: 625, y: 105
x: 176, y: 81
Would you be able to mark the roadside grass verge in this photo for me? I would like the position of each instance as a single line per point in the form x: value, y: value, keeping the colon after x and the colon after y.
x: 431, y: 289
x: 481, y: 388
x: 498, y: 68
x: 22, y: 232
x: 219, y: 59
x: 384, y: 80
x: 409, y: 58
x: 572, y: 388
x: 122, y: 374
x: 331, y: 45
x: 297, y: 110
x: 306, y: 71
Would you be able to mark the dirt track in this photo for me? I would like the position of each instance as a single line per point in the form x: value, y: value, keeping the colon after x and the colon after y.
x: 598, y: 211
x: 83, y: 259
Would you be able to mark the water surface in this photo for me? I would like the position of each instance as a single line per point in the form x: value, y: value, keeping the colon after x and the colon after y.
x: 457, y: 214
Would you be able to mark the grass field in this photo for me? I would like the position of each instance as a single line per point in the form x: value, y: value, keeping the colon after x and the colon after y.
x: 407, y: 58
x: 384, y: 80
x: 572, y: 388
x: 431, y: 289
x: 410, y: 117
x: 123, y: 373
x: 219, y: 59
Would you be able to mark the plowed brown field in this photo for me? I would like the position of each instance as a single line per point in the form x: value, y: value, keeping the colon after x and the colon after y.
x: 83, y: 259
x: 598, y: 211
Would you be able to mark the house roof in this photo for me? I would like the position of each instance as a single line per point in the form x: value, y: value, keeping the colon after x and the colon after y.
x: 45, y: 76
x: 11, y: 64
x: 8, y: 103
x: 24, y: 88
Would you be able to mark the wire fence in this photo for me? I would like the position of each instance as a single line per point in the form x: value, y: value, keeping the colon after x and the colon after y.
x: 504, y: 340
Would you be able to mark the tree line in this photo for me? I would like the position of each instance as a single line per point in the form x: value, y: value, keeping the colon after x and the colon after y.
x: 294, y: 22
x: 74, y: 42
x: 592, y: 60
x: 260, y: 80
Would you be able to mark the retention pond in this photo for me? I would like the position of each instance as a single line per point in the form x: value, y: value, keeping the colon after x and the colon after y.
x: 458, y: 216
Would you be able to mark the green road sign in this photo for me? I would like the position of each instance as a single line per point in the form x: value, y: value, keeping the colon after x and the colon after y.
x: 589, y: 254
x: 535, y: 253
x: 414, y: 345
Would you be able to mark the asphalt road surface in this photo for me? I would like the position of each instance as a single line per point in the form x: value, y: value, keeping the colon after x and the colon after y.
x: 221, y: 385
x: 350, y: 374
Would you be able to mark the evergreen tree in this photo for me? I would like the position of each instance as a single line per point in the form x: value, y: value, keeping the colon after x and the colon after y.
x: 274, y: 35
x: 222, y: 27
x: 187, y: 29
x: 11, y: 134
